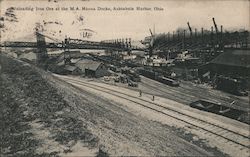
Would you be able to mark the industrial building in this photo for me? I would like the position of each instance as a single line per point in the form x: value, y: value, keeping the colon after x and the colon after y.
x: 72, y: 70
x: 92, y: 68
x: 229, y: 63
x: 232, y: 62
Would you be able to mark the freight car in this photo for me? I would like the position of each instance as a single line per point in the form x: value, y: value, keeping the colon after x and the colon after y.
x: 134, y: 76
x: 149, y: 74
x: 131, y: 74
x: 168, y: 81
x: 114, y: 68
x: 132, y: 84
x: 156, y: 76
x: 124, y: 78
x: 231, y: 85
x: 218, y: 108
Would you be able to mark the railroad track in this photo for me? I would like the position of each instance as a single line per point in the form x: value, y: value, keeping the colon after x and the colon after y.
x: 229, y: 136
x: 189, y: 95
x: 172, y: 94
x: 186, y: 96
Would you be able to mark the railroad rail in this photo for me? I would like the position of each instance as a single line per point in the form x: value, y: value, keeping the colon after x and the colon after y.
x: 191, y: 95
x: 236, y: 138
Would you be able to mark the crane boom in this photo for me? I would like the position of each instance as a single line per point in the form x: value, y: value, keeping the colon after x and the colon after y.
x: 190, y: 29
x: 151, y: 32
x: 215, y: 26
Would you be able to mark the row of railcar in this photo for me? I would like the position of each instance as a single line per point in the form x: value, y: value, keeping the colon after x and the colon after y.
x: 156, y: 76
x: 231, y: 85
x: 217, y: 108
x: 168, y: 81
x: 131, y: 74
x: 114, y: 68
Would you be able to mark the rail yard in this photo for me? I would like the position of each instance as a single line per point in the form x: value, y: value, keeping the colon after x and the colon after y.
x: 183, y: 92
x: 234, y: 135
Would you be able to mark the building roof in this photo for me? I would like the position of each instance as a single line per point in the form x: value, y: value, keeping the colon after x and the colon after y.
x: 70, y: 68
x: 88, y: 64
x: 71, y: 54
x: 239, y: 58
x: 29, y: 56
x: 72, y: 60
x: 60, y: 63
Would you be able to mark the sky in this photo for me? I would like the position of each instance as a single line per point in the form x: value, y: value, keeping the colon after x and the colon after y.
x: 111, y: 24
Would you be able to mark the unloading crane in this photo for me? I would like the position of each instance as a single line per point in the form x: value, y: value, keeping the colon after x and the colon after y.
x: 215, y: 26
x: 151, y: 43
x: 151, y: 32
x: 190, y: 29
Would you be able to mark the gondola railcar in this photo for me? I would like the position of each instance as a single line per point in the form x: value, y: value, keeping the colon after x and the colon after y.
x: 168, y: 81
x: 231, y: 85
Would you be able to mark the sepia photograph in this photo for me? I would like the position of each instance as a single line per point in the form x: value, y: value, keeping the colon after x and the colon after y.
x: 92, y: 78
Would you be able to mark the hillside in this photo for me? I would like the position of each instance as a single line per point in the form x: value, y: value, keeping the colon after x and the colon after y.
x: 43, y: 116
x: 35, y: 118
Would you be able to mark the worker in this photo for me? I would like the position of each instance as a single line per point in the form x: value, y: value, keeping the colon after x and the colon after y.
x: 153, y: 98
x: 140, y: 93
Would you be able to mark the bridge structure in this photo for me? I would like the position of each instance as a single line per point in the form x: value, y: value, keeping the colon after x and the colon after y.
x: 118, y: 45
x: 115, y: 45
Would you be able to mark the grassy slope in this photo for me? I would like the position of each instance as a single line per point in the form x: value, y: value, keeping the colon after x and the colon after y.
x: 26, y: 97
